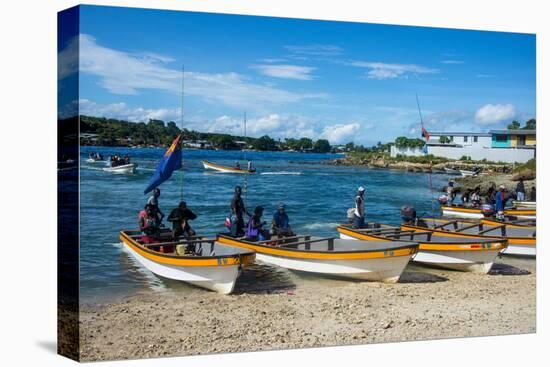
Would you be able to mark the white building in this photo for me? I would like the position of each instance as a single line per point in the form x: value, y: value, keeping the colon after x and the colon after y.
x: 498, y: 146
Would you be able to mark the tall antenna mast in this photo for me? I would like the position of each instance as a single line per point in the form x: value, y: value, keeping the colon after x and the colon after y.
x: 430, y: 184
x: 181, y: 126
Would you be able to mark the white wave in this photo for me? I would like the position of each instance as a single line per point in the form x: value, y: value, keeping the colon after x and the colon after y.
x: 281, y: 173
x: 320, y: 225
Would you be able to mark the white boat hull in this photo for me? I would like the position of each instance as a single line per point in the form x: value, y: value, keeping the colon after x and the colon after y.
x: 125, y: 169
x: 470, y: 261
x: 387, y: 270
x: 457, y: 214
x: 520, y: 250
x: 220, y: 279
x: 222, y: 169
x: 466, y: 173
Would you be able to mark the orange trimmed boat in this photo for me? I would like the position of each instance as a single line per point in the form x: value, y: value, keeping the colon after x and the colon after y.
x: 476, y: 213
x: 209, y: 264
x: 521, y: 238
x: 464, y: 254
x: 225, y: 169
x: 375, y: 261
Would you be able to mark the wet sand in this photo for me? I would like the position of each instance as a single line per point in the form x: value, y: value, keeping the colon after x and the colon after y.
x: 278, y: 309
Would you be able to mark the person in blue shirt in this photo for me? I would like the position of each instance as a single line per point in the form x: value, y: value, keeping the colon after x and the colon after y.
x: 500, y: 201
x: 280, y: 223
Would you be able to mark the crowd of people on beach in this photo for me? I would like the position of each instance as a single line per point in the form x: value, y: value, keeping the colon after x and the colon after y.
x: 151, y: 217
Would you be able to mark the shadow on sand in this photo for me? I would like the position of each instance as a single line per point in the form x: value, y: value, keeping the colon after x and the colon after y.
x: 420, y: 277
x: 505, y: 269
x: 262, y: 278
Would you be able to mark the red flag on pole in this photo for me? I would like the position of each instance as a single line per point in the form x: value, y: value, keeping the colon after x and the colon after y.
x: 425, y: 134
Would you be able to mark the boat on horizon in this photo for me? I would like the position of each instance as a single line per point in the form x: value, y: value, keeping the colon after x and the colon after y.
x: 225, y: 169
x: 475, y: 255
x: 212, y: 265
x: 378, y: 261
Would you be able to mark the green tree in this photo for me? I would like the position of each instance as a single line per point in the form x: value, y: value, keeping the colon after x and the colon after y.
x: 530, y: 124
x: 513, y: 126
x: 305, y: 143
x: 444, y: 139
x: 321, y: 146
x: 265, y: 143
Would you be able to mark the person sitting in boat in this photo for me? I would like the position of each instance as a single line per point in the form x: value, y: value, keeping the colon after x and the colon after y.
x: 359, y: 213
x: 465, y: 197
x: 126, y: 159
x: 238, y: 209
x: 149, y: 224
x: 180, y: 218
x: 280, y: 224
x: 500, y: 201
x: 99, y: 156
x: 249, y: 167
x: 91, y: 155
x: 154, y: 202
x: 475, y: 198
x: 254, y: 229
x: 237, y: 165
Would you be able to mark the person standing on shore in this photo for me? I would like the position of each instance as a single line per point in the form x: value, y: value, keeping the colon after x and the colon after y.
x: 238, y: 209
x: 359, y: 213
x: 450, y: 196
x: 500, y: 201
x: 520, y: 190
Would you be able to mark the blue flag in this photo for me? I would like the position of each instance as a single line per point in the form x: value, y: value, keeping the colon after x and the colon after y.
x: 169, y: 163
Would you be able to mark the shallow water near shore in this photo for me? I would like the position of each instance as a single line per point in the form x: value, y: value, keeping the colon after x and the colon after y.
x: 317, y: 197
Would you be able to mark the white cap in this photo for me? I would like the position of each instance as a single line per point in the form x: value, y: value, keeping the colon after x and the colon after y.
x: 502, y: 187
x: 361, y: 188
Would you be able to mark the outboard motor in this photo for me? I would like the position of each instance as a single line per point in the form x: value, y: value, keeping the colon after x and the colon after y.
x: 487, y: 210
x: 442, y: 199
x: 408, y: 214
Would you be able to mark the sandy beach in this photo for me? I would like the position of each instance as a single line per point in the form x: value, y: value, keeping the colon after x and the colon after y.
x: 427, y: 303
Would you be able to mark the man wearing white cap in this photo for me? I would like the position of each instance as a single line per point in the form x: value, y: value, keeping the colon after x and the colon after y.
x: 359, y: 213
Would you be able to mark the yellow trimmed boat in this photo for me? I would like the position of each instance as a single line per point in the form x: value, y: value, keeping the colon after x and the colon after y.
x: 521, y: 238
x: 211, y: 265
x: 464, y: 254
x: 225, y: 169
x: 378, y: 261
x: 476, y: 213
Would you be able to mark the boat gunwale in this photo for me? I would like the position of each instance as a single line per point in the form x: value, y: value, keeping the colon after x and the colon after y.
x: 443, y: 246
x: 509, y: 211
x: 240, y: 259
x: 465, y: 234
x: 333, y: 255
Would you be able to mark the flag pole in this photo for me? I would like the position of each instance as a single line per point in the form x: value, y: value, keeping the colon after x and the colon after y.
x: 181, y: 127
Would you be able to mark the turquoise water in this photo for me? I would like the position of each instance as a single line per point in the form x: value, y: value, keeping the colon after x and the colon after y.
x: 317, y: 197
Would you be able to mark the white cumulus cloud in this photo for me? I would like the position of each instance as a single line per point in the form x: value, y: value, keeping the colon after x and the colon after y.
x: 122, y: 111
x: 494, y: 113
x: 286, y: 71
x: 381, y: 70
x: 341, y: 133
x: 128, y: 73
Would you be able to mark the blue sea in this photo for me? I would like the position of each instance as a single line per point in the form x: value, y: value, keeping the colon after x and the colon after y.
x: 317, y: 197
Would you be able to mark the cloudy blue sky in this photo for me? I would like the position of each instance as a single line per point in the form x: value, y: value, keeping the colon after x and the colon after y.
x: 336, y: 80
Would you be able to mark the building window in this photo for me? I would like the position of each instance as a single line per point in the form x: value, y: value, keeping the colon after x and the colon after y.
x: 451, y: 138
x: 475, y: 139
x: 465, y: 139
x: 501, y: 138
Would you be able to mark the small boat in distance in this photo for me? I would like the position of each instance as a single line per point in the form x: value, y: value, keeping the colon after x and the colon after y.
x: 225, y: 169
x: 123, y: 169
x: 374, y: 261
x: 451, y: 171
x: 463, y: 254
x: 210, y: 265
x: 466, y: 173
